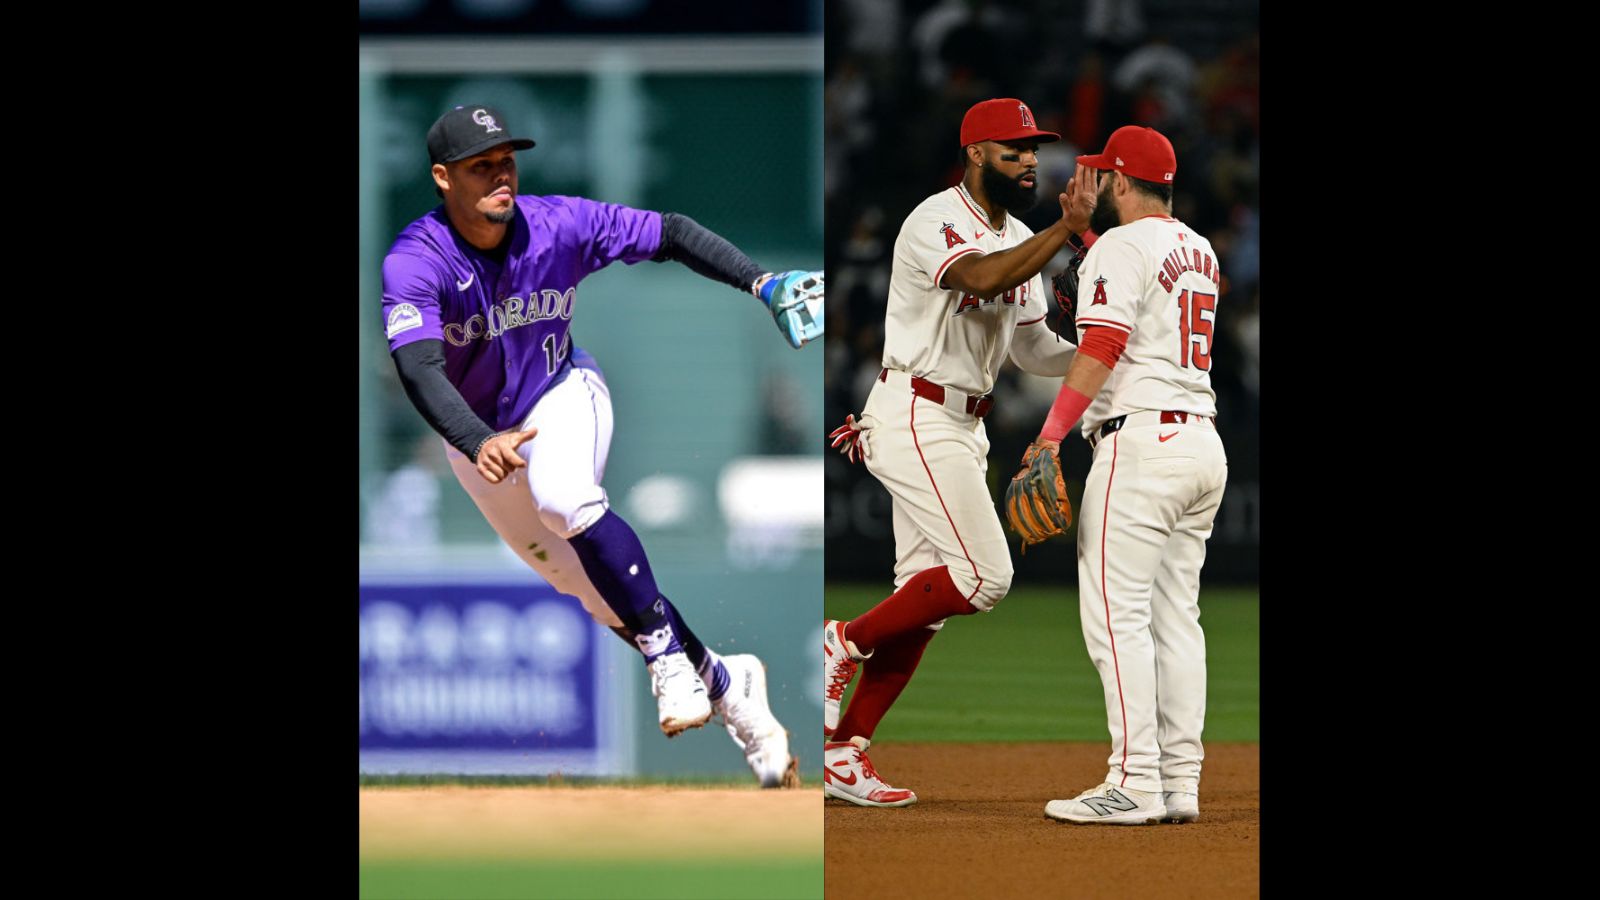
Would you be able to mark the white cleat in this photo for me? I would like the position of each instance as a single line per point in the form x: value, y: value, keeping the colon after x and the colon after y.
x: 752, y: 725
x: 1109, y: 805
x: 1181, y: 807
x: 848, y: 775
x: 681, y: 702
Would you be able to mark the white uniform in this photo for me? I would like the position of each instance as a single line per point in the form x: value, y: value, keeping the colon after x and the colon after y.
x: 1151, y: 496
x: 932, y: 456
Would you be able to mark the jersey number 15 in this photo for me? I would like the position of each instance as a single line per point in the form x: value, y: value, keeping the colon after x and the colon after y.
x: 1197, y: 318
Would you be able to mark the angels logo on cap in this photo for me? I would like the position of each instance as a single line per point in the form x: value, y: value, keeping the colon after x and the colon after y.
x: 1136, y: 150
x: 1027, y: 116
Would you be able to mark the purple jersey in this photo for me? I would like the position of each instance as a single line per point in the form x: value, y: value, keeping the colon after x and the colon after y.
x: 506, y: 328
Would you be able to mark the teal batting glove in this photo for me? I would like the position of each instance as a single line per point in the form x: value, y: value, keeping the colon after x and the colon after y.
x: 795, y: 299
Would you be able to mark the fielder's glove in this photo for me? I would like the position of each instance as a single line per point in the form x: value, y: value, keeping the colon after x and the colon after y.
x: 850, y: 439
x: 1036, y: 501
x: 795, y: 300
x: 1065, y: 283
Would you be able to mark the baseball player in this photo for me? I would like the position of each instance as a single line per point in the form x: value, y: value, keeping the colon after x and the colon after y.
x: 964, y: 293
x: 478, y: 297
x: 1146, y: 313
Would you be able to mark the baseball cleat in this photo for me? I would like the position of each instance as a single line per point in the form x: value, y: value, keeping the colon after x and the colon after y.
x: 839, y: 663
x: 847, y: 774
x: 681, y: 702
x: 752, y: 725
x: 1181, y: 807
x: 1109, y: 804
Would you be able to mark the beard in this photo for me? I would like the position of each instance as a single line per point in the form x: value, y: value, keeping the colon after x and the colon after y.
x: 501, y: 218
x: 1104, y: 218
x: 1007, y: 192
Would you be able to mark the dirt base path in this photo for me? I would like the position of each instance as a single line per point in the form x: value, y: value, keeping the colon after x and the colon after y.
x: 588, y: 822
x: 978, y: 829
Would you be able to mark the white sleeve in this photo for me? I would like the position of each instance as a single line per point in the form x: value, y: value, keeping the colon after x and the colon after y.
x: 1039, y: 351
x: 933, y: 240
x: 1110, y: 283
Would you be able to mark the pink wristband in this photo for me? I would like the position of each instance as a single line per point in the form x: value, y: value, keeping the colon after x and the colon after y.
x: 1067, y: 409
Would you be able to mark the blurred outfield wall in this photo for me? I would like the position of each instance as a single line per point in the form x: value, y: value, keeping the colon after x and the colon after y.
x: 707, y: 397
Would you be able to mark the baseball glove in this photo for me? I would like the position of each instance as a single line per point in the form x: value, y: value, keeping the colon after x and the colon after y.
x: 1065, y: 284
x: 1036, y: 501
x: 795, y: 299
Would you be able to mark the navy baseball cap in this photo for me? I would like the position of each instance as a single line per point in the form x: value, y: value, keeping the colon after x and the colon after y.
x: 469, y: 130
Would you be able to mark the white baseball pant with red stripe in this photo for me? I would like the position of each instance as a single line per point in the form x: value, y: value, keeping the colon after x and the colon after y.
x: 1147, y: 511
x: 932, y: 460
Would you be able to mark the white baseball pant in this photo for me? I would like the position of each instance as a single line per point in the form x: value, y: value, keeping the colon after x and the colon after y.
x: 932, y: 459
x: 1147, y: 510
x: 558, y: 495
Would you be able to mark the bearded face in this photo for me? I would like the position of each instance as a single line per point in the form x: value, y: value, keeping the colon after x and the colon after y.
x: 1104, y: 218
x: 1015, y: 195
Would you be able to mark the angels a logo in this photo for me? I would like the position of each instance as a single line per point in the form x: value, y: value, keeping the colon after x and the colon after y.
x: 950, y: 237
x: 483, y: 118
x: 1027, y: 116
x: 1099, y: 291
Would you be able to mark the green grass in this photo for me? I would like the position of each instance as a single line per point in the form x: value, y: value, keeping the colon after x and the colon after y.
x: 757, y: 879
x: 1021, y: 673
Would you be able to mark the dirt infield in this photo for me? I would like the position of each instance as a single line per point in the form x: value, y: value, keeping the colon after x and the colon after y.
x: 978, y: 829
x: 572, y: 823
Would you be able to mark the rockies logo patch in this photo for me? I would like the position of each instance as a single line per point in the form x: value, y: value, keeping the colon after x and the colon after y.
x: 403, y: 318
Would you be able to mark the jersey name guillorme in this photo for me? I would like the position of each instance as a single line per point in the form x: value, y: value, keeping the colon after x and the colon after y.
x: 506, y: 328
x: 947, y: 336
x: 1158, y: 280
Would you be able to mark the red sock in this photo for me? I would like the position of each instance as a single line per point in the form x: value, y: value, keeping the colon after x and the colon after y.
x: 883, y: 677
x: 929, y: 596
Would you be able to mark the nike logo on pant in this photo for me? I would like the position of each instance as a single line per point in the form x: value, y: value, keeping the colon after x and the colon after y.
x: 1164, y: 437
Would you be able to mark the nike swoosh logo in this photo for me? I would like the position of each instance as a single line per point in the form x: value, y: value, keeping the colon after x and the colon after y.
x: 829, y: 773
x: 463, y: 285
x: 1165, y: 436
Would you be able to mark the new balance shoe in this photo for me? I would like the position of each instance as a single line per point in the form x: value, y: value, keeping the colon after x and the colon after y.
x: 1181, y: 807
x: 1109, y: 804
x: 681, y: 700
x: 840, y: 660
x: 752, y: 725
x: 847, y: 774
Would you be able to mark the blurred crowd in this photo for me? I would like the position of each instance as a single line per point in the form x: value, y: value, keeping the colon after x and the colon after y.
x: 900, y: 75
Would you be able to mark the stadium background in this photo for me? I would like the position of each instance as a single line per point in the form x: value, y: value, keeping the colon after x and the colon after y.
x: 899, y: 77
x: 713, y: 111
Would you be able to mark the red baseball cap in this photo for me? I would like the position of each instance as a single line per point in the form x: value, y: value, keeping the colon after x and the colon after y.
x: 1137, y: 150
x: 1005, y: 119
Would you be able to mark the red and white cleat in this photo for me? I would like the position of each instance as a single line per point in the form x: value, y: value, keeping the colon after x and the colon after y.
x: 848, y: 775
x: 839, y: 663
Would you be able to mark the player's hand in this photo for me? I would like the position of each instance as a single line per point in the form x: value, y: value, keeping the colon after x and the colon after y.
x: 795, y: 299
x: 1078, y: 203
x: 499, y: 456
x: 850, y: 440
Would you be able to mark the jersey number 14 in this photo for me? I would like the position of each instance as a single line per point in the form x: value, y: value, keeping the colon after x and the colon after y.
x: 1197, y: 317
x: 552, y: 356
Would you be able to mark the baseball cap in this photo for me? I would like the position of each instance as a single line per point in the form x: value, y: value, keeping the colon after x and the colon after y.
x: 1137, y: 150
x: 467, y: 131
x: 1003, y: 119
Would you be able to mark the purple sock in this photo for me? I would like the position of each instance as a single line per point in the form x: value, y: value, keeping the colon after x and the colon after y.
x: 614, y: 560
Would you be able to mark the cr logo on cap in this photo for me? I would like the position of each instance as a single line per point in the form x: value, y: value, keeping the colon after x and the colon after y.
x: 487, y: 121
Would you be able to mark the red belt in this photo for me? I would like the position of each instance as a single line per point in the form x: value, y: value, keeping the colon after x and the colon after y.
x: 922, y: 387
